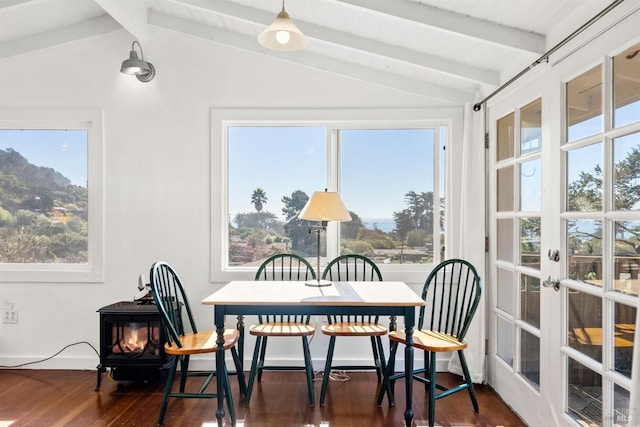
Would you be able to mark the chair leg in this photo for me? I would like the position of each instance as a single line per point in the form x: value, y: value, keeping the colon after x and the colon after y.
x: 263, y: 350
x: 238, y: 364
x: 432, y: 389
x: 387, y: 383
x: 376, y: 357
x: 167, y: 389
x: 228, y: 397
x: 184, y: 369
x: 309, y: 370
x: 467, y: 378
x: 327, y: 369
x: 254, y: 368
x: 381, y: 361
x: 426, y: 358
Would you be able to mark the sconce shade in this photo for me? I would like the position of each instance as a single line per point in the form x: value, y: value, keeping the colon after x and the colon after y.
x: 133, y: 65
x: 325, y: 206
x: 144, y: 71
x: 283, y: 34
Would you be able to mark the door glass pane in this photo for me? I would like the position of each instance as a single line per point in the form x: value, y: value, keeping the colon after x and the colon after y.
x: 530, y: 300
x: 584, y: 246
x: 626, y: 86
x: 530, y: 183
x: 531, y: 128
x: 505, y: 189
x: 505, y: 239
x: 505, y: 137
x: 530, y: 242
x: 621, y: 407
x: 626, y: 260
x: 505, y: 290
x: 530, y: 357
x: 584, y: 105
x: 584, y: 178
x: 505, y: 340
x: 623, y: 335
x: 584, y: 313
x: 584, y: 394
x: 626, y: 187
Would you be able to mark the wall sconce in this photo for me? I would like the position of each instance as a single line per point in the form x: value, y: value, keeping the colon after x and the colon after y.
x: 144, y: 71
x: 283, y: 34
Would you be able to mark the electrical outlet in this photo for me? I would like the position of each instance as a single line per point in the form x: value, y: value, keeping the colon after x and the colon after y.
x: 9, y: 315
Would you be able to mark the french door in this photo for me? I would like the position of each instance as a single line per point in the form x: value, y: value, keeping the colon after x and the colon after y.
x: 564, y: 209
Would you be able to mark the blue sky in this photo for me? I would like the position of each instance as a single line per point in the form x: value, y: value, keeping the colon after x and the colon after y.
x: 65, y: 151
x: 377, y: 165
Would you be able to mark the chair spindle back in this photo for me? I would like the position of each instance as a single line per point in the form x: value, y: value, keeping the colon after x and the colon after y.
x: 170, y: 298
x: 452, y: 293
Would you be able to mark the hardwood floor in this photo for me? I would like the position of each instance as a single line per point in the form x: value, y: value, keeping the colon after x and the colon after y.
x: 67, y: 398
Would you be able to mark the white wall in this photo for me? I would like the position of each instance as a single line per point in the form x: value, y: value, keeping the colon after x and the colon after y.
x: 157, y: 168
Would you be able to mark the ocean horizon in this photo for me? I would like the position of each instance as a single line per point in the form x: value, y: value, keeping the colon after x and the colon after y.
x: 384, y: 224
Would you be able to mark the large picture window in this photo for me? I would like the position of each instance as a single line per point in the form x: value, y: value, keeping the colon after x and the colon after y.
x: 50, y: 170
x: 390, y: 174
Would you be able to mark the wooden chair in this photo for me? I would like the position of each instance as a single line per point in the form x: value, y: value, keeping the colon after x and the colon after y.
x: 287, y: 267
x: 452, y: 293
x: 173, y: 305
x: 352, y: 268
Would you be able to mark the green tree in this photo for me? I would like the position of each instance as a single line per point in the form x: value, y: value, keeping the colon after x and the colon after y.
x: 418, y: 215
x: 259, y: 199
x: 349, y: 229
x: 296, y: 229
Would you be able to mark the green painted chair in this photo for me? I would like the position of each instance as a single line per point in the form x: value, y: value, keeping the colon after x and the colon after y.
x: 452, y: 293
x: 184, y: 339
x: 352, y: 268
x: 282, y: 267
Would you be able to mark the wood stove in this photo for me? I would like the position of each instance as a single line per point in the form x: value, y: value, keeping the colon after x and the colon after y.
x: 131, y: 341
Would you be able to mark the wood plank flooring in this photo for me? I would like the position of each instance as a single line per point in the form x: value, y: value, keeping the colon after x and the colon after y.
x: 54, y: 398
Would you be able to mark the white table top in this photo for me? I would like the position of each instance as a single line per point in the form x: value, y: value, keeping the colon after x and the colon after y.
x: 258, y: 293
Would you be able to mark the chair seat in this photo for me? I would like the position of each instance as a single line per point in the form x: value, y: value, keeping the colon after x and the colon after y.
x: 202, y: 342
x: 282, y: 329
x: 430, y: 340
x: 354, y: 329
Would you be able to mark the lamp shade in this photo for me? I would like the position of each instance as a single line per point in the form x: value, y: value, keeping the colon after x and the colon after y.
x: 283, y: 34
x: 133, y: 65
x: 325, y: 206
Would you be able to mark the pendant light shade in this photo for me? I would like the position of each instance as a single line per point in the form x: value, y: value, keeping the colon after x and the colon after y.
x: 283, y: 34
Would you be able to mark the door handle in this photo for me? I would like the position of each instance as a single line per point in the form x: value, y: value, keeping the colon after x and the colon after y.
x: 552, y: 282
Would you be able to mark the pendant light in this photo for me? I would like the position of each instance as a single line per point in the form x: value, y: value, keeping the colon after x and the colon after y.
x: 283, y: 34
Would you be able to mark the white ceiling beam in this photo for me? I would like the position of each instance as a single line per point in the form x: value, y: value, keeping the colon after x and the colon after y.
x: 132, y: 15
x: 456, y: 24
x: 89, y: 28
x: 348, y: 40
x: 309, y: 59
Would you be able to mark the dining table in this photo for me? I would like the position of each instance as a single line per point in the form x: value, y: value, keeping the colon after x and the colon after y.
x: 385, y: 298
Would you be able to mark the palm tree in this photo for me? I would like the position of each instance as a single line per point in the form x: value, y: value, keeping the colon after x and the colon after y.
x: 259, y: 198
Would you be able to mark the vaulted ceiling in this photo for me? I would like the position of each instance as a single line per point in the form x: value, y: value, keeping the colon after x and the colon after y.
x: 451, y: 51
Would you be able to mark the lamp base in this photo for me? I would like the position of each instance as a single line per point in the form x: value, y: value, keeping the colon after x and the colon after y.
x: 318, y: 282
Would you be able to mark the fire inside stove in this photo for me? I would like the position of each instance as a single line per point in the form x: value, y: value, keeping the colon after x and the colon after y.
x: 134, y: 339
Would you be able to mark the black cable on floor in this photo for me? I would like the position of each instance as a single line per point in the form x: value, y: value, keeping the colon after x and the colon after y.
x: 51, y: 357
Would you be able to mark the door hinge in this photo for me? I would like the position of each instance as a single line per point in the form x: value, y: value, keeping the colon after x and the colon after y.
x: 486, y: 347
x: 486, y: 140
x: 486, y: 244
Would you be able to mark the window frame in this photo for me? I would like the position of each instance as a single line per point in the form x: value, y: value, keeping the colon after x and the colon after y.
x: 332, y: 119
x: 90, y: 120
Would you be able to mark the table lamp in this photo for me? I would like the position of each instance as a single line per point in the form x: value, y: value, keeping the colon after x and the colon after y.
x: 323, y: 206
